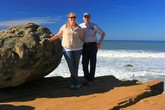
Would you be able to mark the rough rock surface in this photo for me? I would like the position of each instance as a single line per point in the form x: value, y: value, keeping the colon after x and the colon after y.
x: 151, y: 103
x: 107, y: 93
x: 25, y: 55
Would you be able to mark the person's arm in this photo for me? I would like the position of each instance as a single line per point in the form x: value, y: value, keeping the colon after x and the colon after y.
x: 102, y: 34
x: 101, y: 40
x: 56, y: 36
x: 81, y: 35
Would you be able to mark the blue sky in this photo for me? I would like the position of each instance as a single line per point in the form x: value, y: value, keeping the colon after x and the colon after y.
x: 120, y: 19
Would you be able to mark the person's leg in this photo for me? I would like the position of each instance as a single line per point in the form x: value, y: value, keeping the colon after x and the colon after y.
x: 77, y: 55
x: 70, y: 58
x: 85, y: 62
x: 93, y: 59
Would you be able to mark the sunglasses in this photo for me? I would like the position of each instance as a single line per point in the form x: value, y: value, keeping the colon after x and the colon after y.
x: 73, y: 17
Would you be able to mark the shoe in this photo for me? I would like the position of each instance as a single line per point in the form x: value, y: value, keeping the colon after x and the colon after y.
x: 89, y: 83
x: 71, y: 86
x: 75, y: 87
x: 78, y: 86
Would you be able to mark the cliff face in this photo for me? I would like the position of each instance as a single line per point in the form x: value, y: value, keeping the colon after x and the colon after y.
x: 25, y: 55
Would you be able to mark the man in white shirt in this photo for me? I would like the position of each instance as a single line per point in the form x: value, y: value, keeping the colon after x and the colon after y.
x: 90, y: 47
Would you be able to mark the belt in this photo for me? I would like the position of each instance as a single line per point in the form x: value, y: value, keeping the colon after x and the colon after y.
x: 87, y: 43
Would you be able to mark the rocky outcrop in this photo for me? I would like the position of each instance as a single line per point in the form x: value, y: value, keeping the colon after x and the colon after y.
x: 151, y: 103
x: 25, y: 55
x: 107, y: 93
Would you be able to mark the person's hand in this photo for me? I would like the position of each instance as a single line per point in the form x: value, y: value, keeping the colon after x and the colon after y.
x: 98, y: 45
x: 48, y: 39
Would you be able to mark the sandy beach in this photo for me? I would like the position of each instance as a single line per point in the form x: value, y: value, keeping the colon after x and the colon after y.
x: 107, y: 93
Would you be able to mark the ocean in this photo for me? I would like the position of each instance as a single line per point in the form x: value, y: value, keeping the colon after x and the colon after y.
x: 126, y: 60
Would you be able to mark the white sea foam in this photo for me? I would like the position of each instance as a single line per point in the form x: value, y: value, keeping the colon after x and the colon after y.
x: 144, y: 63
x: 130, y: 53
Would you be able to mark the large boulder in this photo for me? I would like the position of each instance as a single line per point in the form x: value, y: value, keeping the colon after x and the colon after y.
x: 25, y: 55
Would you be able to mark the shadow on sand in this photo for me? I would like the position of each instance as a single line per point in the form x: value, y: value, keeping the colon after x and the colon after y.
x: 11, y: 107
x: 55, y: 87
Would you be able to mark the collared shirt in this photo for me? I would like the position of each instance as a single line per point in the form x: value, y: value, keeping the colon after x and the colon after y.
x: 90, y: 32
x: 71, y: 38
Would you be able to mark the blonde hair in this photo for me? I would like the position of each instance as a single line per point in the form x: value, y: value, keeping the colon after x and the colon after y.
x: 71, y: 13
